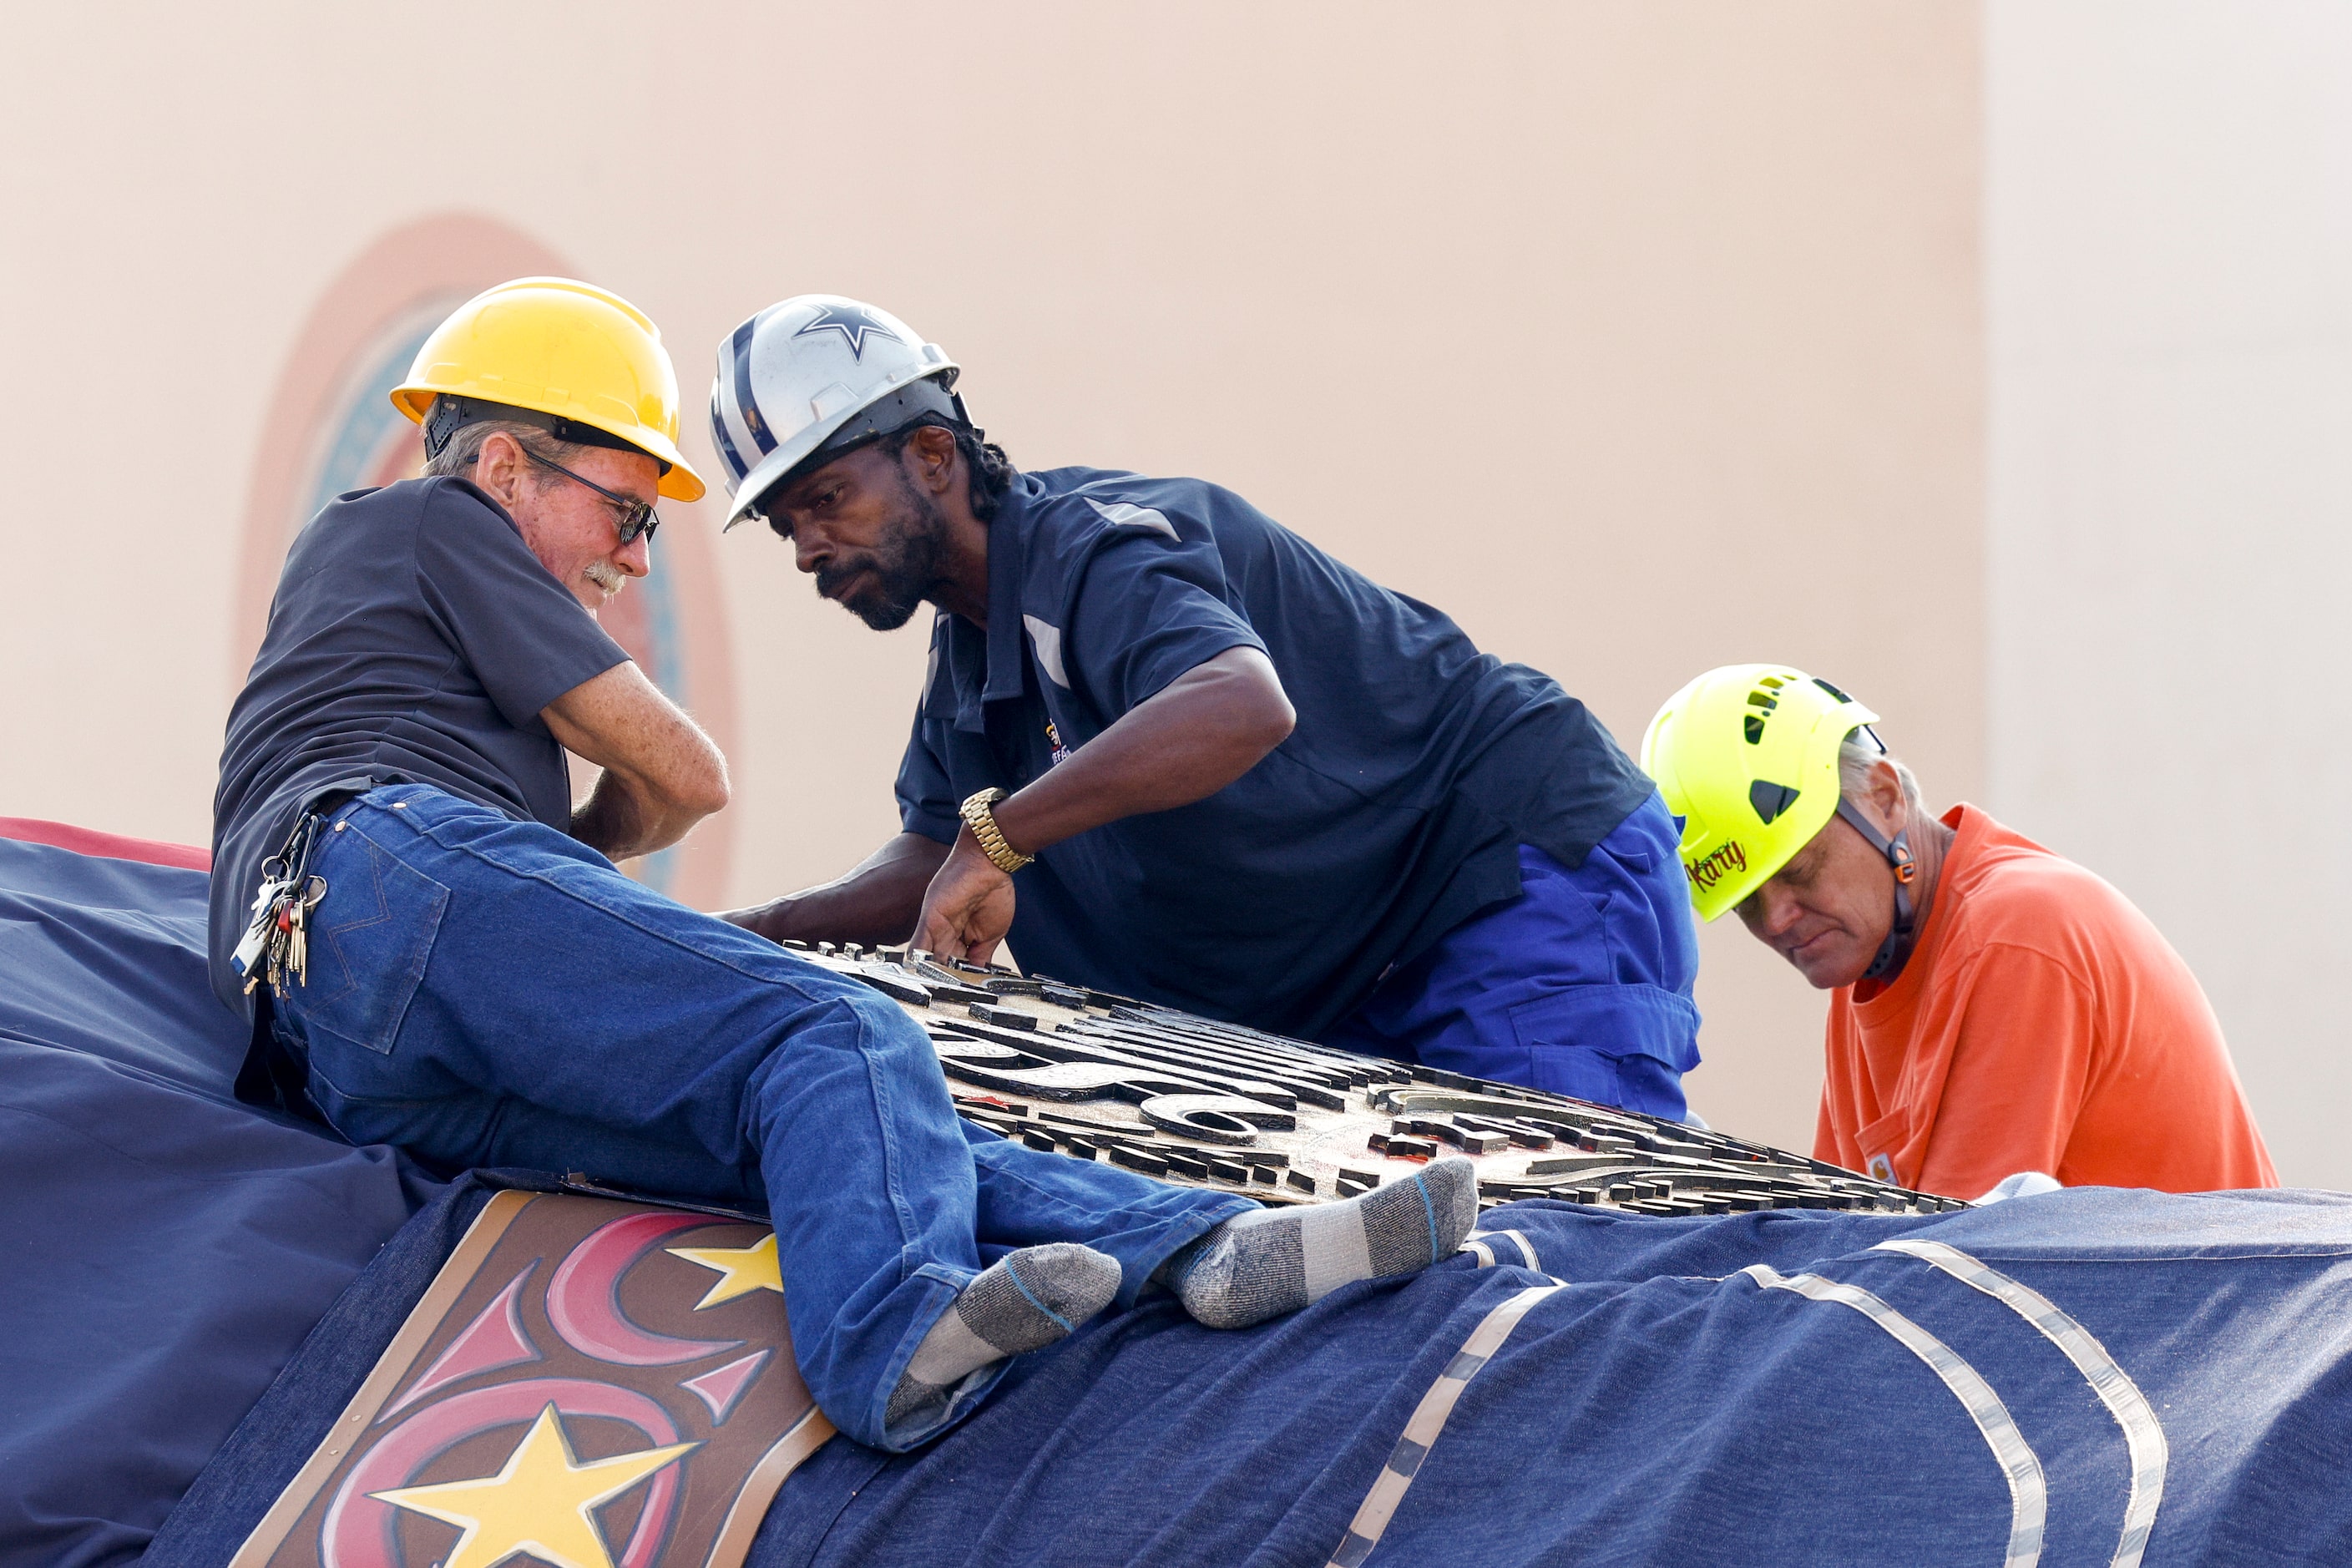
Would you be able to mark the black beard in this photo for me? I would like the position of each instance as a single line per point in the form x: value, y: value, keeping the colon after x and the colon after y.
x: 903, y: 568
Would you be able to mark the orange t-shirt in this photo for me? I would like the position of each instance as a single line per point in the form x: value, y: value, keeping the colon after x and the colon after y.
x: 2041, y: 1023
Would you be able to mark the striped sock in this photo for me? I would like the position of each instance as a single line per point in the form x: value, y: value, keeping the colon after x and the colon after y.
x: 1023, y: 1302
x: 1259, y: 1266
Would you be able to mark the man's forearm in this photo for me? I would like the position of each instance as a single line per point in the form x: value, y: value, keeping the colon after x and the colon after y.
x: 622, y: 822
x: 875, y: 903
x: 662, y: 773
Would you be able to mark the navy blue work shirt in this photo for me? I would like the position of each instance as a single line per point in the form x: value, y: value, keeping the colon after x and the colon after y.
x: 1392, y: 812
x: 414, y: 639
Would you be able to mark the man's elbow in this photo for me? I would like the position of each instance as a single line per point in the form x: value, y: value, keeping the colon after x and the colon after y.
x: 705, y: 790
x: 1273, y: 722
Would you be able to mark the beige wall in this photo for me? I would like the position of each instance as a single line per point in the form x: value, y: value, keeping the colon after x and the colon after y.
x: 1640, y: 338
x: 2169, y: 249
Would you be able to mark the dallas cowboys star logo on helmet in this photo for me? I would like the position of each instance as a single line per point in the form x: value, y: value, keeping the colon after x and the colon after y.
x: 853, y: 322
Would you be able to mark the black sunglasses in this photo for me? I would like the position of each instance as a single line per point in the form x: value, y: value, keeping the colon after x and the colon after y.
x: 635, y: 517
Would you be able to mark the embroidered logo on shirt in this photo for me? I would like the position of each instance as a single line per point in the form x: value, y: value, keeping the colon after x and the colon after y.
x: 1728, y: 857
x: 1881, y: 1167
x: 1054, y: 738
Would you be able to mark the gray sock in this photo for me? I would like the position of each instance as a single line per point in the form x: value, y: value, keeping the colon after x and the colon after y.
x: 1258, y: 1266
x: 1023, y: 1302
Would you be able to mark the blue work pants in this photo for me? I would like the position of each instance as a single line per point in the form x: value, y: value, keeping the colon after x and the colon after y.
x: 485, y: 992
x: 1580, y: 985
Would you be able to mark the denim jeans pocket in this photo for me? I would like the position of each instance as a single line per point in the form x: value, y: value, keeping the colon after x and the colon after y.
x: 371, y: 939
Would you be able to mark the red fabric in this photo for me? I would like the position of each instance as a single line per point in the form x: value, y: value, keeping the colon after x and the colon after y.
x: 2041, y: 1023
x: 113, y: 845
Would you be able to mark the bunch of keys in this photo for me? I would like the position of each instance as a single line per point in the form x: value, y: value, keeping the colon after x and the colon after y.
x: 277, y: 941
x: 277, y: 946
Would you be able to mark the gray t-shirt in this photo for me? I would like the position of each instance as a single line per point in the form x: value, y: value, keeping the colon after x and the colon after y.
x: 414, y: 639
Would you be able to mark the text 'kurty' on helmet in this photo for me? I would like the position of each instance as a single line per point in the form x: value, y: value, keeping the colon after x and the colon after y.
x: 573, y: 359
x: 813, y: 377
x: 1746, y: 755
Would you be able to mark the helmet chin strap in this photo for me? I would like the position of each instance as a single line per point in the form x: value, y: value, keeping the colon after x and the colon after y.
x: 1896, y: 948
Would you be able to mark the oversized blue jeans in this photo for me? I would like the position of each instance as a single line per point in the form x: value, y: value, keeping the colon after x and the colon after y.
x: 1580, y: 985
x: 484, y: 992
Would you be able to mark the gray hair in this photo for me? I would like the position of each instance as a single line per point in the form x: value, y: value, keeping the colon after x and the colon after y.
x: 457, y: 458
x: 1859, y: 753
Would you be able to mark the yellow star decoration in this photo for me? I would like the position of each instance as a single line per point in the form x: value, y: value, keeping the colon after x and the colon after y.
x: 745, y: 1269
x: 540, y: 1504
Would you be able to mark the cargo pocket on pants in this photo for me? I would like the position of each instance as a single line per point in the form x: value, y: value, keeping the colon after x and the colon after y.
x: 1616, y: 1045
x: 371, y: 939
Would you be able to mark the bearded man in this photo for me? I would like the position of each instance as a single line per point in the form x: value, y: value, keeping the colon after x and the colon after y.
x: 1172, y: 750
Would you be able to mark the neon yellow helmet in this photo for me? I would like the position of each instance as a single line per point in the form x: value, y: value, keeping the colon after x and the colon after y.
x: 1748, y: 756
x: 577, y: 359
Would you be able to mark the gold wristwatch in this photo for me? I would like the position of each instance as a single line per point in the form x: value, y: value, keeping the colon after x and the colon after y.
x: 981, y: 820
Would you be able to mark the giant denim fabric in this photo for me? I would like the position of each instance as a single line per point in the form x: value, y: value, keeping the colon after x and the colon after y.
x: 488, y: 991
x: 163, y: 1250
x: 264, y: 1452
x: 1664, y: 1407
x: 1580, y: 985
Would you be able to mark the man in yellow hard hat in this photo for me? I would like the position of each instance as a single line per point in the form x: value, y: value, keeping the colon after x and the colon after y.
x: 438, y: 952
x: 1996, y: 1009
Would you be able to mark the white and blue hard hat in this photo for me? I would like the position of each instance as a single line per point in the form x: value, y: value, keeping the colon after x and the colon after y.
x: 817, y: 375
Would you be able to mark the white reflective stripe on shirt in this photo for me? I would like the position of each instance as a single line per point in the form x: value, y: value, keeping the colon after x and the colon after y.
x: 1127, y: 514
x: 1048, y: 638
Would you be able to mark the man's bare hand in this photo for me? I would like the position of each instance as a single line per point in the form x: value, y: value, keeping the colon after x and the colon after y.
x: 968, y: 905
x: 877, y: 903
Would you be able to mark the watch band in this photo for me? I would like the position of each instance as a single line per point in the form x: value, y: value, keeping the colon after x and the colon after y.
x: 981, y: 818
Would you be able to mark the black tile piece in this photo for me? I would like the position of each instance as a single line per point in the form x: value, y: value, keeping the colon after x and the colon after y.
x: 898, y: 987
x: 1015, y: 986
x: 1300, y: 1179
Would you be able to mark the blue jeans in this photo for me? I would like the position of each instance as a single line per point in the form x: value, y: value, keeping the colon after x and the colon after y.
x: 1580, y: 985
x: 485, y: 992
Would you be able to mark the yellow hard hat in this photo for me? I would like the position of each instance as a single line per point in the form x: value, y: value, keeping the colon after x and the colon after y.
x: 571, y: 351
x: 1748, y: 756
